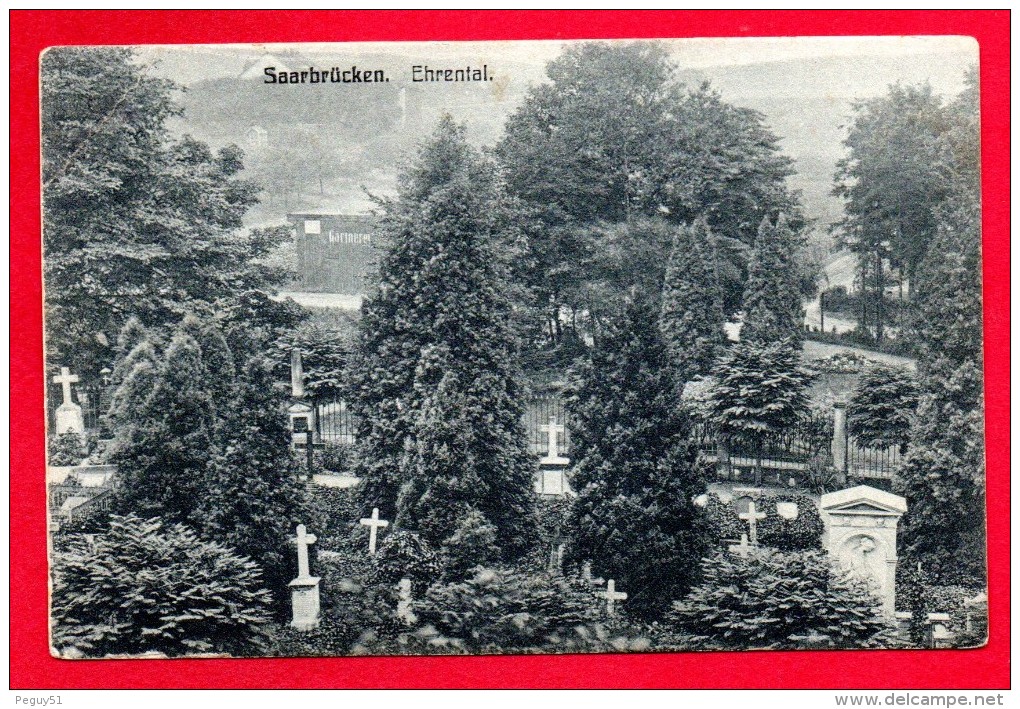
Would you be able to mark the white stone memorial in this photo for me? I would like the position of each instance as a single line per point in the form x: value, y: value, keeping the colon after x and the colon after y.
x: 860, y: 533
x: 69, y: 418
x: 373, y: 523
x: 553, y: 457
x: 751, y: 517
x: 742, y: 549
x: 305, y: 588
x: 612, y: 596
x: 404, y: 612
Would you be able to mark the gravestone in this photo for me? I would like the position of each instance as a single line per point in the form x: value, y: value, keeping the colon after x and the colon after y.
x: 612, y: 596
x: 751, y: 517
x: 305, y: 588
x: 404, y: 612
x: 741, y: 549
x: 552, y: 468
x: 787, y: 510
x: 373, y: 523
x: 553, y: 457
x: 69, y: 418
x: 860, y: 533
x: 976, y: 614
x: 936, y: 630
x: 301, y: 412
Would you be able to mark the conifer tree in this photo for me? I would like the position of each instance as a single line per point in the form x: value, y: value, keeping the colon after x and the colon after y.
x: 691, y: 318
x: 252, y: 500
x: 943, y: 477
x: 444, y: 313
x: 634, y: 517
x: 772, y: 309
x: 761, y: 391
x: 165, y: 437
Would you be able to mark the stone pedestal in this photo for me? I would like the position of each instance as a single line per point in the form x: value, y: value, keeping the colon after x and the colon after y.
x: 860, y: 533
x: 69, y: 419
x: 305, y: 603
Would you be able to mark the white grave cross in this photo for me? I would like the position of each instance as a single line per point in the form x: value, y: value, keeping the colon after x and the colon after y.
x: 741, y: 549
x: 554, y: 430
x: 66, y: 379
x: 752, y: 517
x: 373, y: 523
x: 612, y: 596
x: 303, y: 540
x: 404, y: 611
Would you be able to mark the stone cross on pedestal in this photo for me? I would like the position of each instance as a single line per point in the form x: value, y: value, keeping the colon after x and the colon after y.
x: 751, y: 517
x: 69, y: 418
x: 65, y: 379
x: 612, y: 596
x: 404, y: 611
x: 373, y: 523
x: 305, y: 588
x: 554, y: 429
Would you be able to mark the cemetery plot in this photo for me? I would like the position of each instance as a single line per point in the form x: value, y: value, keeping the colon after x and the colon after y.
x: 556, y: 394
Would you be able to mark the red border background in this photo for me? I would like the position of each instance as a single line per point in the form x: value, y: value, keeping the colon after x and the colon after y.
x: 31, y: 664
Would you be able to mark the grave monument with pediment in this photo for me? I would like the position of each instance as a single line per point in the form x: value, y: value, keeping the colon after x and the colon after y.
x: 860, y: 533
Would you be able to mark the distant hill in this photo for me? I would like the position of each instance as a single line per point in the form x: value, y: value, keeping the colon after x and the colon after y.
x: 321, y: 147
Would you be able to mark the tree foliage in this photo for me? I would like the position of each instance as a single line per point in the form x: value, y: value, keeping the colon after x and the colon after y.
x: 943, y: 477
x: 692, y: 317
x: 142, y: 587
x: 774, y: 600
x: 772, y: 310
x: 436, y: 381
x: 637, y: 473
x: 760, y: 391
x: 137, y: 223
x: 199, y: 443
x: 908, y: 154
x: 613, y: 136
x: 882, y: 406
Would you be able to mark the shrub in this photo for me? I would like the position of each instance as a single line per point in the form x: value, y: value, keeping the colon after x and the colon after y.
x: 333, y: 456
x: 514, y: 611
x: 66, y: 449
x: 774, y: 600
x: 473, y: 543
x: 404, y: 554
x: 332, y: 515
x: 144, y: 588
x: 802, y: 532
x: 881, y: 407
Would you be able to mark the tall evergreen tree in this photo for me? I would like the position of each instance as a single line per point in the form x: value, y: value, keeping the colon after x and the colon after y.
x: 944, y: 474
x: 692, y: 315
x: 251, y: 499
x: 165, y: 434
x: 772, y: 308
x: 637, y: 475
x: 444, y: 308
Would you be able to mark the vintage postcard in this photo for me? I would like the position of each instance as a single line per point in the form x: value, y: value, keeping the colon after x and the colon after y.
x: 513, y: 347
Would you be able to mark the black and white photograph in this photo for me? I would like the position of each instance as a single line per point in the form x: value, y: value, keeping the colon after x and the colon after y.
x: 513, y: 347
